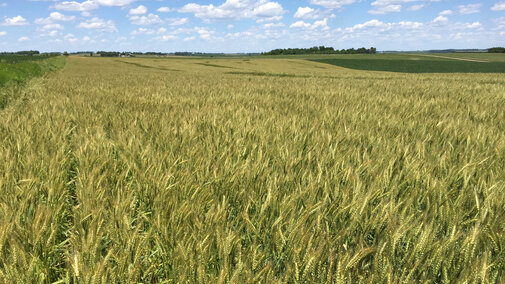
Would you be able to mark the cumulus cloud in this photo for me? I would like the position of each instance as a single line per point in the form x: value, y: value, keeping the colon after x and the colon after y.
x: 23, y: 38
x: 150, y: 19
x: 70, y: 38
x: 143, y: 31
x: 500, y: 6
x: 273, y: 25
x: 322, y: 24
x: 54, y: 17
x: 469, y: 9
x: 270, y: 11
x: 440, y: 19
x: 416, y: 7
x: 140, y: 10
x: 205, y: 33
x: 235, y: 10
x: 474, y: 25
x: 177, y: 21
x: 98, y: 24
x: 446, y: 13
x: 114, y: 3
x: 167, y: 37
x: 15, y: 21
x: 2, y: 33
x: 386, y: 9
x: 307, y: 13
x: 393, y: 6
x: 52, y: 27
x: 300, y: 24
x: 76, y: 6
x: 332, y: 4
x: 89, y: 5
x: 163, y: 10
x: 379, y: 26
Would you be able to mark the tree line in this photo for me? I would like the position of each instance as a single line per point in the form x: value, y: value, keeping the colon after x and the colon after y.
x: 496, y: 50
x: 321, y: 50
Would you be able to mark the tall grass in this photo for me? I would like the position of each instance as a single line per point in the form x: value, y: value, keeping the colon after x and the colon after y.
x: 117, y: 173
x: 16, y: 70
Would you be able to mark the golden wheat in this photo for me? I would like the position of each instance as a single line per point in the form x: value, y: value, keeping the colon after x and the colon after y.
x: 252, y: 170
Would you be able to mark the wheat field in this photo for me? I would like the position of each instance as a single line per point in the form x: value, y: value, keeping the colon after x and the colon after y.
x: 252, y: 170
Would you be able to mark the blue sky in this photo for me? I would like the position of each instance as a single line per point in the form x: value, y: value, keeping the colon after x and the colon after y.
x: 249, y: 25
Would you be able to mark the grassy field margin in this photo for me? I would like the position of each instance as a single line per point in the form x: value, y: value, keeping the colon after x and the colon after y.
x: 15, y: 73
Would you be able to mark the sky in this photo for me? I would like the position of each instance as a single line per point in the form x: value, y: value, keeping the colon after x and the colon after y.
x: 248, y: 25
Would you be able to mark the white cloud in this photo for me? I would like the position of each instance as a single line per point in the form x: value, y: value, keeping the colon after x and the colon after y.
x: 2, y: 33
x: 230, y: 26
x: 150, y: 19
x: 440, y: 19
x: 270, y: 11
x: 98, y: 24
x: 322, y: 24
x: 474, y: 25
x: 140, y: 10
x: 70, y: 38
x: 204, y: 33
x: 52, y: 27
x: 115, y: 3
x: 386, y: 9
x: 300, y: 24
x: 262, y: 10
x: 211, y: 12
x: 163, y: 10
x: 89, y: 5
x: 177, y: 21
x: 144, y: 31
x: 332, y: 4
x: 307, y: 13
x: 15, y: 21
x: 76, y: 6
x: 167, y: 37
x: 302, y: 12
x: 500, y: 6
x: 24, y: 38
x: 393, y: 6
x: 54, y: 17
x: 273, y: 25
x: 369, y: 24
x: 469, y: 9
x: 446, y: 13
x: 53, y: 33
x: 375, y: 26
x: 246, y: 34
x: 416, y: 7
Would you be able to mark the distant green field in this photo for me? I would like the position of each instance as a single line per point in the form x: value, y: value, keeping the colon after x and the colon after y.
x: 420, y: 63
